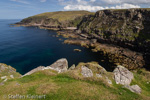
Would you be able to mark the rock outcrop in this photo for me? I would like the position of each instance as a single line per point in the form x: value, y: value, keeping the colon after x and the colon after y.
x: 60, y: 66
x: 134, y: 88
x: 35, y: 70
x: 122, y: 75
x: 86, y: 72
x: 91, y: 71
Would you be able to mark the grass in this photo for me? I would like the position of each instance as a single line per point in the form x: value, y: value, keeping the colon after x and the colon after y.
x: 65, y: 15
x: 73, y: 86
x: 63, y: 18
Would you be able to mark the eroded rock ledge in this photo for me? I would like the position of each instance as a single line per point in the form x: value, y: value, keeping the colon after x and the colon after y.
x: 112, y: 53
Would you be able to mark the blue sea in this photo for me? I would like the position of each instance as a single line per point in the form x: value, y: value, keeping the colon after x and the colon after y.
x: 25, y: 48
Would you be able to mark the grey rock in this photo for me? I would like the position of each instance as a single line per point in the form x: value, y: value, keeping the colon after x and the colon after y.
x: 86, y: 72
x: 72, y: 67
x: 60, y: 65
x: 34, y: 70
x: 122, y: 75
x: 134, y: 88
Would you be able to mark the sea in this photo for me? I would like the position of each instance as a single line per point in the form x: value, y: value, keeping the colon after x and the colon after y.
x: 26, y: 48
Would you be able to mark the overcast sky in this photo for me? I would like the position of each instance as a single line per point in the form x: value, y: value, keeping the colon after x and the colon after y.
x: 18, y: 9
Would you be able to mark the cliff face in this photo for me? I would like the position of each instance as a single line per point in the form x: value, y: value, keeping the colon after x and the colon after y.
x: 126, y: 28
x: 61, y: 19
x: 129, y: 27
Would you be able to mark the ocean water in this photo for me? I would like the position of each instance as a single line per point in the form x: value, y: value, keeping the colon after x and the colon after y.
x: 25, y: 48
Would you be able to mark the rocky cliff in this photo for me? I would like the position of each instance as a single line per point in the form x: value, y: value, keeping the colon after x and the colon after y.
x: 129, y: 28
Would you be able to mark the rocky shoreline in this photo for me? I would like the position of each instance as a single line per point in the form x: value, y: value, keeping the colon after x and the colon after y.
x: 114, y: 54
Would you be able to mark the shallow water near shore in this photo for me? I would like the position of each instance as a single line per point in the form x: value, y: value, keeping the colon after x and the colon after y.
x: 26, y: 48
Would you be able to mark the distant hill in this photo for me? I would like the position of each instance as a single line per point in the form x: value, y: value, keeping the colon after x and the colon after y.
x: 56, y: 19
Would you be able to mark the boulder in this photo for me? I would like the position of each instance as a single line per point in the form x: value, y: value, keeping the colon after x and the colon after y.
x: 122, y: 75
x: 134, y: 88
x: 86, y: 72
x: 60, y: 65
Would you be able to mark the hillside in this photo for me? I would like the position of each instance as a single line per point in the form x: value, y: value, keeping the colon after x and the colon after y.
x: 85, y: 81
x: 60, y: 19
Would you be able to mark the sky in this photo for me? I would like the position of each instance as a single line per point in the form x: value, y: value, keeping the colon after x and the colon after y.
x: 19, y: 9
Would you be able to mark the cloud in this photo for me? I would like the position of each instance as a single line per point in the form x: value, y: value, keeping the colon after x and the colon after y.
x: 126, y: 1
x: 95, y: 8
x: 92, y: 0
x: 20, y: 1
x: 94, y: 5
x: 83, y: 7
x: 43, y: 0
x: 125, y: 6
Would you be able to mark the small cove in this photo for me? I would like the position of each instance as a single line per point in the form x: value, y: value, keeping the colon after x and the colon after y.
x: 26, y: 48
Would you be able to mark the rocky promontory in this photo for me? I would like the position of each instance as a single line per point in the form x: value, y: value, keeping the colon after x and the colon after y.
x: 55, y: 20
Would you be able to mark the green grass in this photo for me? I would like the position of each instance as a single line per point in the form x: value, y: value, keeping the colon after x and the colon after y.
x: 64, y: 15
x: 73, y: 86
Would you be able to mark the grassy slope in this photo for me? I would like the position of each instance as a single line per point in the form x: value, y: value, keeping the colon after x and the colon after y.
x: 61, y: 16
x: 72, y: 86
x: 64, y: 15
